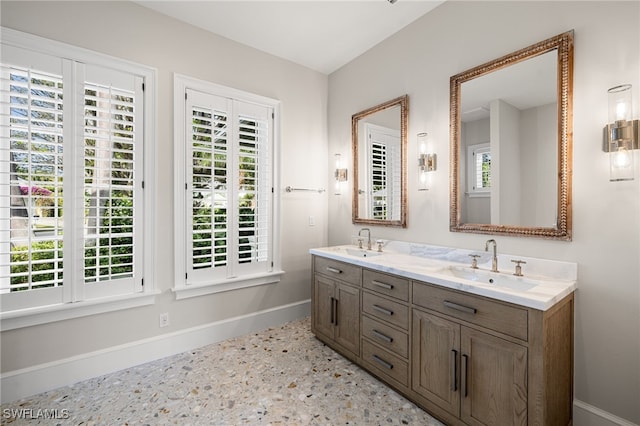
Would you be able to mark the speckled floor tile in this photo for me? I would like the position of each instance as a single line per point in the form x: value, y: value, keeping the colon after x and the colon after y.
x: 279, y: 376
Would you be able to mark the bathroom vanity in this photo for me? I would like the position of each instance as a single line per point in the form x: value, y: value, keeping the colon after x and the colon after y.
x: 470, y: 346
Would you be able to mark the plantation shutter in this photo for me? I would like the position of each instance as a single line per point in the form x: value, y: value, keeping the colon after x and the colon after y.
x: 480, y: 168
x: 384, y: 172
x: 394, y: 180
x: 112, y: 182
x: 208, y: 190
x: 378, y: 176
x: 253, y: 187
x: 31, y: 178
x: 71, y: 176
x: 228, y: 197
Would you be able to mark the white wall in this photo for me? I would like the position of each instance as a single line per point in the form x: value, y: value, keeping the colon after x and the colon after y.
x: 538, y: 162
x: 128, y: 31
x: 418, y: 61
x: 473, y: 209
x: 458, y: 35
x: 505, y: 158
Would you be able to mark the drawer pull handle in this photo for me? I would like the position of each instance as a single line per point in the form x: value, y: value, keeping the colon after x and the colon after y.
x: 382, y: 336
x: 383, y: 310
x: 334, y: 270
x: 460, y: 308
x: 382, y: 362
x: 383, y: 285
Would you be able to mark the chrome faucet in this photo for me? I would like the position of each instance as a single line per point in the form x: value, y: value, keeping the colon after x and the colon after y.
x: 368, y: 236
x: 494, y: 261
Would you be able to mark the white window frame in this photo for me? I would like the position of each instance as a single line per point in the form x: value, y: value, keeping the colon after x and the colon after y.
x: 184, y: 288
x: 83, y: 305
x: 472, y: 172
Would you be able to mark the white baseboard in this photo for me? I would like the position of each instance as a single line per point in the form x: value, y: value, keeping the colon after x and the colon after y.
x: 588, y: 415
x: 29, y: 381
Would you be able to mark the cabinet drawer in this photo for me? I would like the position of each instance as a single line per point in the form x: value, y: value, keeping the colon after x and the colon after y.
x: 338, y: 270
x: 385, y: 336
x: 386, y: 310
x: 496, y: 316
x: 385, y: 363
x: 386, y: 284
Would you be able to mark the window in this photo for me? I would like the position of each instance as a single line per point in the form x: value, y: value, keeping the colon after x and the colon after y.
x: 225, y: 213
x: 479, y: 170
x: 72, y: 164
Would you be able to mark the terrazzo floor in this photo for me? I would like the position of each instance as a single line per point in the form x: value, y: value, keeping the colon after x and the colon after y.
x: 279, y: 376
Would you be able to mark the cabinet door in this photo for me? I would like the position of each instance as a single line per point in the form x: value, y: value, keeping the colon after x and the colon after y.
x: 323, y: 314
x: 493, y: 380
x: 435, y: 358
x: 347, y: 318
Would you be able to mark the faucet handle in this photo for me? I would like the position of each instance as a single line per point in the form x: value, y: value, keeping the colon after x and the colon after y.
x: 518, y: 272
x: 359, y: 243
x: 474, y: 260
x: 380, y: 244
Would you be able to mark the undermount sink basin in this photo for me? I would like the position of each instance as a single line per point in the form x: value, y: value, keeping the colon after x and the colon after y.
x: 362, y: 253
x: 497, y: 279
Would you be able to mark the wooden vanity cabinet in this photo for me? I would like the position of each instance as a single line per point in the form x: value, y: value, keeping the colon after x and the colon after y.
x: 385, y: 327
x: 466, y: 359
x: 473, y: 375
x: 479, y: 361
x: 336, y: 305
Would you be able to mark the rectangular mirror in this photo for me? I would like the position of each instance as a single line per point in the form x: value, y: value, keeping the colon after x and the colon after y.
x: 379, y: 143
x: 511, y: 142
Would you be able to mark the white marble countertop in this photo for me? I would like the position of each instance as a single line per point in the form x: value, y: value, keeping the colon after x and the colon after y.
x: 545, y: 282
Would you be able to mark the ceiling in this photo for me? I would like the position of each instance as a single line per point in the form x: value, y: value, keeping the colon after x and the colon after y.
x: 323, y: 35
x: 523, y: 85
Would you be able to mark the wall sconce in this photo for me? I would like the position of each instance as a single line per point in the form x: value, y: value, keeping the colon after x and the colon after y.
x: 620, y: 134
x: 340, y: 174
x: 426, y: 162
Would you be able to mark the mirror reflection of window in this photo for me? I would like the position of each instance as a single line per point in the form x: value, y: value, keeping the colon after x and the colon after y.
x: 383, y: 172
x: 379, y: 142
x: 479, y: 170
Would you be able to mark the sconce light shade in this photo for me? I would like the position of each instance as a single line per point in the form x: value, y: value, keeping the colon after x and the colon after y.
x: 426, y: 162
x: 621, y: 134
x: 340, y: 174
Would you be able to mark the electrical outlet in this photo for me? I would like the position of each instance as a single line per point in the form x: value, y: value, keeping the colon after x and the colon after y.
x: 312, y: 221
x: 164, y: 319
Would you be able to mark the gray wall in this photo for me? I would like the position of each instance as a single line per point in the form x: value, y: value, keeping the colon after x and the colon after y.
x: 458, y: 35
x: 128, y: 31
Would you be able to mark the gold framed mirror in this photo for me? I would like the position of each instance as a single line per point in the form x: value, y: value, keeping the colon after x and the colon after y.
x: 379, y: 146
x: 511, y: 142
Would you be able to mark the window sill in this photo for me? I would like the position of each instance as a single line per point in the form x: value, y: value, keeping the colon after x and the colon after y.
x: 202, y: 289
x: 47, y: 314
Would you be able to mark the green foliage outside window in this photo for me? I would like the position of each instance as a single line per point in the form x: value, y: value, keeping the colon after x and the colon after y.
x: 40, y: 263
